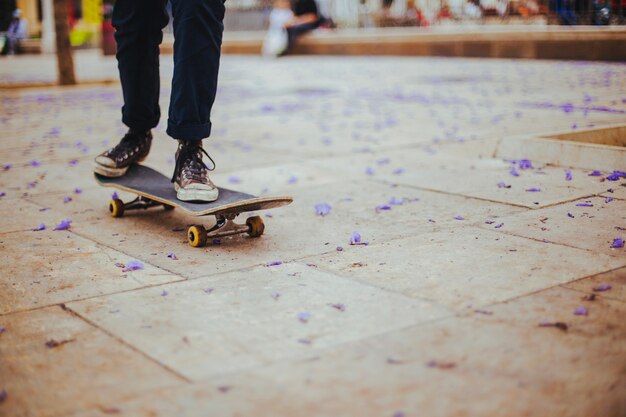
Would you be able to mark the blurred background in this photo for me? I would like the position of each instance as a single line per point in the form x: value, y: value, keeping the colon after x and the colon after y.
x: 89, y: 20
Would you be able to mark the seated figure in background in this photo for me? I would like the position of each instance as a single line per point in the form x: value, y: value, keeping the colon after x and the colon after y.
x: 306, y: 17
x: 16, y: 32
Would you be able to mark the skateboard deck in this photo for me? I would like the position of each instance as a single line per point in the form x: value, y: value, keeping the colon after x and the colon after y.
x: 155, y: 189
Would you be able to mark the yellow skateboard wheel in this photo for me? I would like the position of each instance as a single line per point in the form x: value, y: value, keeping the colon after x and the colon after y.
x: 116, y: 207
x: 255, y: 226
x: 196, y: 235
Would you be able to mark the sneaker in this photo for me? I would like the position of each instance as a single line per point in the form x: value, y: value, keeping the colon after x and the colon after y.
x: 133, y: 148
x: 191, y: 175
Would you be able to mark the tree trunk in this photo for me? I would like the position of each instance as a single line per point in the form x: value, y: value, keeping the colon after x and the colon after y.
x: 65, y: 62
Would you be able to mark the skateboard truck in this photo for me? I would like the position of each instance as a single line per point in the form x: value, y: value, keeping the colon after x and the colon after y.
x: 117, y: 207
x: 197, y: 235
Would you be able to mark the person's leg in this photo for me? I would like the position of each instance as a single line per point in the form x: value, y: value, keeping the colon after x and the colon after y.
x: 138, y: 25
x: 294, y: 32
x: 138, y: 34
x: 198, y: 28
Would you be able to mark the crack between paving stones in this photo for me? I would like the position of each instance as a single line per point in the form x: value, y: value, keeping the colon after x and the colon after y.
x: 125, y: 343
x: 598, y: 296
x: 547, y: 242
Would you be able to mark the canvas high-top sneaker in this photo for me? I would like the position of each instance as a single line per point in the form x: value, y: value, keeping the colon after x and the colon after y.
x: 133, y: 148
x: 191, y: 175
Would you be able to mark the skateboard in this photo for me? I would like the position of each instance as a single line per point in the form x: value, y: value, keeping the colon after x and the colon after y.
x: 154, y: 189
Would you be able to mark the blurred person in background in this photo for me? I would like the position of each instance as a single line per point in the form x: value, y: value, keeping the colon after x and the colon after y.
x: 472, y: 10
x: 16, y: 32
x: 601, y: 12
x: 565, y: 12
x: 306, y: 17
x: 414, y: 16
x: 276, y: 40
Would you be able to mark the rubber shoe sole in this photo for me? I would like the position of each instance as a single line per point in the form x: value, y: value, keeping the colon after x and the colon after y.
x: 109, y: 171
x: 196, y: 194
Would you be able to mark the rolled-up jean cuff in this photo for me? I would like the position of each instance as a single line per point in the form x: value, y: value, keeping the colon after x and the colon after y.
x: 141, y: 125
x: 189, y: 132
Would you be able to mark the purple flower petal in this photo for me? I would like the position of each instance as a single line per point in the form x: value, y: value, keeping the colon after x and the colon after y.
x: 568, y: 175
x: 275, y: 295
x: 355, y: 239
x: 339, y: 249
x: 67, y: 199
x: 602, y: 287
x: 524, y: 164
x: 458, y: 217
x: 133, y: 265
x: 502, y: 184
x: 533, y: 190
x: 383, y: 161
x: 114, y: 196
x: 40, y: 227
x: 570, y: 215
x: 370, y: 171
x: 73, y: 162
x: 2, y: 329
x: 234, y: 180
x: 339, y: 306
x: 396, y: 201
x: 7, y: 167
x: 164, y: 293
x: 172, y: 256
x: 595, y: 174
x: 292, y: 180
x: 499, y: 225
x: 398, y: 171
x: 514, y: 172
x: 617, y: 243
x: 608, y: 199
x: 275, y: 263
x: 304, y: 316
x: 382, y: 207
x: 584, y: 205
x: 2, y: 193
x: 581, y: 311
x: 77, y: 191
x: 63, y: 225
x: 34, y: 163
x: 322, y: 209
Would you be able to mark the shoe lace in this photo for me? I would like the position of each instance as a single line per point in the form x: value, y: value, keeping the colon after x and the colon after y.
x: 190, y: 160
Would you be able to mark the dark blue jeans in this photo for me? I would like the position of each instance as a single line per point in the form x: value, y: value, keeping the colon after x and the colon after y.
x: 198, y: 28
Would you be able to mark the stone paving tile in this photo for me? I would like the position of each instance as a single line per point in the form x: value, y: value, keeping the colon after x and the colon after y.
x: 592, y: 228
x: 48, y: 177
x: 465, y: 267
x: 615, y: 279
x: 238, y: 320
x: 78, y: 268
x: 482, y: 365
x: 91, y: 369
x: 19, y: 215
x: 477, y: 178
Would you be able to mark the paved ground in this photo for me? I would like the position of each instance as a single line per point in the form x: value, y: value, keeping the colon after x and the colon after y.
x: 464, y: 302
